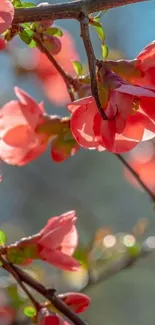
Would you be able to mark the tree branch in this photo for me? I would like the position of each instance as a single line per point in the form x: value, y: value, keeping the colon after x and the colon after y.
x: 68, y: 79
x: 49, y: 294
x: 137, y: 177
x: 84, y: 23
x: 10, y: 269
x: 122, y: 264
x: 68, y: 10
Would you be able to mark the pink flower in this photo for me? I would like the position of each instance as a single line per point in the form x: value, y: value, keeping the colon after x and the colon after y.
x: 140, y: 71
x: 78, y: 302
x: 54, y: 244
x: 6, y: 17
x: 52, y: 82
x: 19, y: 142
x: 131, y: 119
x: 58, y: 241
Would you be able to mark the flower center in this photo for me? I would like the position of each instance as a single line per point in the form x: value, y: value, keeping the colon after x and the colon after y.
x: 135, y: 105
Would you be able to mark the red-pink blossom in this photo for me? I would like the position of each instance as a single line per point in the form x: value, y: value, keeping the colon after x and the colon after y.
x: 7, y: 315
x: 46, y: 317
x: 58, y: 241
x: 140, y: 71
x: 131, y: 119
x: 52, y: 82
x: 19, y: 142
x: 6, y: 15
x: 78, y: 302
x: 54, y: 244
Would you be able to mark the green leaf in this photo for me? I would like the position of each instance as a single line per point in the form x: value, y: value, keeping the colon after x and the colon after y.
x: 26, y: 36
x: 100, y: 14
x: 17, y: 3
x: 99, y: 29
x: 105, y: 51
x: 81, y: 255
x: 53, y: 31
x: 26, y: 5
x: 32, y: 44
x: 78, y: 67
x: 2, y: 238
x: 16, y: 300
x: 30, y: 311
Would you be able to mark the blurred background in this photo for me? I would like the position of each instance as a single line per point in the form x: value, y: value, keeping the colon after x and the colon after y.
x: 90, y: 182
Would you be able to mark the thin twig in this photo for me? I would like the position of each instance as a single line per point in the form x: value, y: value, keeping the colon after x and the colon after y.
x: 68, y: 10
x: 136, y: 176
x: 122, y: 264
x: 49, y: 294
x: 10, y: 269
x: 84, y: 23
x: 71, y: 83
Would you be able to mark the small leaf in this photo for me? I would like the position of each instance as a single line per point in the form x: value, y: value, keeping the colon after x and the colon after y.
x: 105, y: 51
x: 53, y: 31
x: 100, y: 14
x: 2, y: 238
x: 30, y: 311
x: 13, y: 293
x: 27, y: 5
x: 32, y: 44
x: 26, y: 36
x: 78, y: 67
x: 1, y: 263
x: 17, y: 3
x: 99, y: 29
x: 81, y: 255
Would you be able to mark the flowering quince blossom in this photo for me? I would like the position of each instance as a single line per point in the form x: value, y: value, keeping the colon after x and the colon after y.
x: 130, y: 112
x: 19, y: 143
x: 140, y: 71
x: 78, y: 302
x: 6, y: 17
x: 25, y: 131
x: 55, y: 244
x: 52, y: 82
x: 46, y: 317
x: 58, y: 241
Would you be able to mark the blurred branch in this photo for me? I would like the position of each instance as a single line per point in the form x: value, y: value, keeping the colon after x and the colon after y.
x: 122, y: 264
x: 49, y: 294
x: 137, y: 177
x: 68, y: 10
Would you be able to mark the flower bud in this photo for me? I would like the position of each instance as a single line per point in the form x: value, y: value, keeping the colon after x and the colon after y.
x: 53, y: 43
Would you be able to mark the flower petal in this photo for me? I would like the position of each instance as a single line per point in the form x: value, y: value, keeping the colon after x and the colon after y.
x: 30, y: 109
x: 72, y: 107
x: 19, y: 136
x: 82, y: 122
x: 6, y: 15
x: 59, y: 259
x: 61, y: 233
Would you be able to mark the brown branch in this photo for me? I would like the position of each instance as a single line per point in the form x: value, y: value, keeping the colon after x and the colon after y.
x: 49, y: 294
x: 136, y: 176
x: 68, y: 10
x: 11, y: 270
x: 84, y: 23
x: 71, y: 83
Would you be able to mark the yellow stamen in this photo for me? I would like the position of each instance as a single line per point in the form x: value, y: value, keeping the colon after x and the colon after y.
x: 135, y: 105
